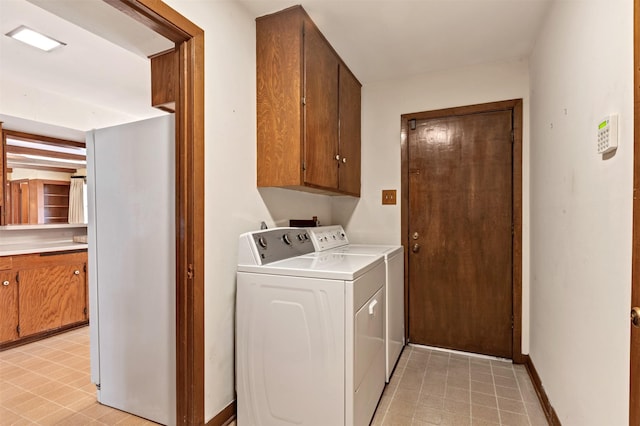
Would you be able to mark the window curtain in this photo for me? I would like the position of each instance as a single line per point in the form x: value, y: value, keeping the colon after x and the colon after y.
x: 78, y: 201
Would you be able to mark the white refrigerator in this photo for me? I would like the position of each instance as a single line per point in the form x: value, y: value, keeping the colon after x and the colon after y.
x: 131, y: 236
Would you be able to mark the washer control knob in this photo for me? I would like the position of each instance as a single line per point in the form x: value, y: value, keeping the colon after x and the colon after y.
x: 262, y: 241
x: 300, y: 237
x: 286, y: 239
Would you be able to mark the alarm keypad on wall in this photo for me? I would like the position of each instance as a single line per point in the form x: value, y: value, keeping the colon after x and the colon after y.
x: 608, y: 134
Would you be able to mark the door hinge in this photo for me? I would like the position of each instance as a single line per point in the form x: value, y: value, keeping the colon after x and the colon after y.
x: 190, y: 271
x: 84, y: 268
x: 17, y: 277
x: 304, y: 166
x: 84, y: 311
x: 412, y: 124
x: 304, y: 100
x: 512, y: 322
x: 18, y: 329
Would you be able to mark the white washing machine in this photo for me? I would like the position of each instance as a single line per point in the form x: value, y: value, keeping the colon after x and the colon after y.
x: 309, y: 332
x: 334, y: 239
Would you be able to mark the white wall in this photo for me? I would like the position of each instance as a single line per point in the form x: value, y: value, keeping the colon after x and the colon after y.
x: 233, y: 204
x: 368, y: 221
x: 581, y: 204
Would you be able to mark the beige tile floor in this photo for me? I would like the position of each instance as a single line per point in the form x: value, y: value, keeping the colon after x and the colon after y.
x: 48, y: 383
x: 433, y: 387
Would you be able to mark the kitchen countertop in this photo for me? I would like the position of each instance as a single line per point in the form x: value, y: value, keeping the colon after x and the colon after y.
x: 39, y: 247
x: 42, y: 227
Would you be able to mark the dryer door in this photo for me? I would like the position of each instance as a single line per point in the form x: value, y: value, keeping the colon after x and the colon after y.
x: 369, y: 357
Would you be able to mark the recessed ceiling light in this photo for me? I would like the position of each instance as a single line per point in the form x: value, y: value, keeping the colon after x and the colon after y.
x: 35, y: 39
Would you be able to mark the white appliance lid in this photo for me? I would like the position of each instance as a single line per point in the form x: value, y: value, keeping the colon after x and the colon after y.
x: 331, y: 265
x: 369, y: 249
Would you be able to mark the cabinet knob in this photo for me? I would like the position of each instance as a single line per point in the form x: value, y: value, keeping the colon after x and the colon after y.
x: 344, y: 160
x: 338, y: 157
x: 5, y: 283
x: 76, y: 272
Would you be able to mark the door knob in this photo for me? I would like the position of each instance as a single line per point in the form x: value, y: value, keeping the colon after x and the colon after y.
x: 76, y: 272
x: 5, y: 283
x: 415, y: 248
x: 635, y: 316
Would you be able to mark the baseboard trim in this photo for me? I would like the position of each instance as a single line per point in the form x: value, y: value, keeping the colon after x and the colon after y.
x: 225, y: 416
x: 42, y: 335
x: 549, y: 412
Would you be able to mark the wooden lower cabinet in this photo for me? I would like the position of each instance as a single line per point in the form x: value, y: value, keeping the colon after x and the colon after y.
x: 49, y: 293
x: 51, y: 297
x: 8, y: 306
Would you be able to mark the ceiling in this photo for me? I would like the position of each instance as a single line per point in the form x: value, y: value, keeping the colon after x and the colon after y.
x: 378, y: 39
x: 388, y: 39
x: 89, y: 68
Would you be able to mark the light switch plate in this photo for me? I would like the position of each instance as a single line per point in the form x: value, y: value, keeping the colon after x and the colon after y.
x: 388, y: 196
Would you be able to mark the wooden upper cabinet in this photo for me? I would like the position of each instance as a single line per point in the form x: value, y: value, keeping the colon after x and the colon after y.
x: 321, y: 111
x: 3, y: 178
x: 164, y: 80
x: 48, y: 201
x: 302, y: 120
x: 350, y: 136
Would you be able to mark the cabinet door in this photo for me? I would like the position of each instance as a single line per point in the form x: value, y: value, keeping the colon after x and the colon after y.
x: 349, y: 165
x: 321, y: 111
x: 51, y: 297
x: 3, y: 178
x: 8, y: 306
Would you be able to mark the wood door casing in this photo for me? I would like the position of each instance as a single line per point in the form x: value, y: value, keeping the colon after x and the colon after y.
x: 634, y: 370
x: 190, y: 264
x: 8, y: 306
x: 460, y: 205
x: 320, y: 111
x: 51, y: 297
x: 349, y: 90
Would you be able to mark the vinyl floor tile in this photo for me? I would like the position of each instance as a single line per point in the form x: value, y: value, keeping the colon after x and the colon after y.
x: 457, y: 390
x: 48, y: 383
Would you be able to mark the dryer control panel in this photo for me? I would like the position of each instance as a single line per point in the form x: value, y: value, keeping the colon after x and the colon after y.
x: 327, y: 237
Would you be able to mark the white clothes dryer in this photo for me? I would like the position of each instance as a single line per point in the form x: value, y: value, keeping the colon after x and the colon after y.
x: 309, y: 332
x: 334, y: 239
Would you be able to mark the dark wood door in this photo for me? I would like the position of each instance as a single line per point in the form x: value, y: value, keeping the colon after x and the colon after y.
x: 321, y: 111
x: 460, y: 229
x: 349, y: 131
